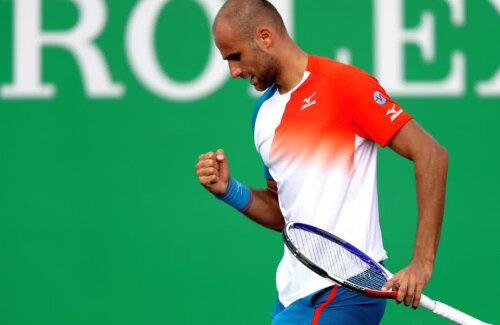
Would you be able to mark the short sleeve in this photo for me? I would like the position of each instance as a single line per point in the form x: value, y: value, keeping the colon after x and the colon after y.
x: 267, y: 174
x: 375, y: 116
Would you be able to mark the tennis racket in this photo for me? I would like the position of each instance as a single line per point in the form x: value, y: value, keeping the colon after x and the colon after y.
x: 344, y: 264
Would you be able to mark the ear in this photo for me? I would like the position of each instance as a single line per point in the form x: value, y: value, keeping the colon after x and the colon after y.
x: 264, y: 37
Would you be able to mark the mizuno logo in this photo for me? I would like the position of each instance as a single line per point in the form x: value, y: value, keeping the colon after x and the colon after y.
x: 394, y: 113
x: 308, y: 101
x: 391, y: 111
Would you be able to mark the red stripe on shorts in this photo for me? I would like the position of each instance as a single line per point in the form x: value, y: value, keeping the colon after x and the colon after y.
x: 320, y: 308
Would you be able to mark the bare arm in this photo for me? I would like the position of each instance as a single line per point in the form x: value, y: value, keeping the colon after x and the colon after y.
x: 265, y: 208
x: 431, y: 167
x: 213, y: 173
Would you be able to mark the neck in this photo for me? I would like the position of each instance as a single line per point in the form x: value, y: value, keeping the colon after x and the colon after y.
x: 292, y: 65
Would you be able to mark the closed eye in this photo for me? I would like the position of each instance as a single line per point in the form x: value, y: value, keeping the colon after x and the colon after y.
x: 233, y: 57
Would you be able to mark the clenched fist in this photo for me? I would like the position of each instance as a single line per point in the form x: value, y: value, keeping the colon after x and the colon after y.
x: 213, y: 171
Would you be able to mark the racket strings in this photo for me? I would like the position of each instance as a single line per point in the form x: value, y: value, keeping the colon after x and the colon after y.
x: 336, y: 260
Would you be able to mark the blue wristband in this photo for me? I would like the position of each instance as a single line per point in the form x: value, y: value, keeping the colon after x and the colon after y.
x: 237, y: 195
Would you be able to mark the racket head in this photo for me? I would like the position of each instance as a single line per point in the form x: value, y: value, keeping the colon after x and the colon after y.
x: 335, y: 259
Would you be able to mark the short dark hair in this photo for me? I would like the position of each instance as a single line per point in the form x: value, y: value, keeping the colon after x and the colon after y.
x: 246, y: 15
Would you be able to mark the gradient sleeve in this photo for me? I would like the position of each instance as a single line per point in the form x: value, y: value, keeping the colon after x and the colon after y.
x: 375, y: 116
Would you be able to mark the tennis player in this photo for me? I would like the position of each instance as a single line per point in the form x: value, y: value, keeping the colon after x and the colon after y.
x: 317, y: 128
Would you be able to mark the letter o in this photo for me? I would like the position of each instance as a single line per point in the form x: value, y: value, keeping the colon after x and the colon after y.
x: 143, y: 60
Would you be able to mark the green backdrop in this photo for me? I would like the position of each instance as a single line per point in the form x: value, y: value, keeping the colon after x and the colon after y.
x: 102, y: 220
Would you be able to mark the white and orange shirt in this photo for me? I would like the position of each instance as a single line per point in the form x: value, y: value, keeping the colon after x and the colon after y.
x: 319, y: 143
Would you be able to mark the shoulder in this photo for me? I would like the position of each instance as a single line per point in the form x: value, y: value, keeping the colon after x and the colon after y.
x: 340, y: 73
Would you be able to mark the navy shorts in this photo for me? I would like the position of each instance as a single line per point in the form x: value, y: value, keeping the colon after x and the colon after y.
x: 331, y: 306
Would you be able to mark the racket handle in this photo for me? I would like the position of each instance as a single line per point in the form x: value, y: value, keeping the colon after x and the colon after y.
x: 449, y: 312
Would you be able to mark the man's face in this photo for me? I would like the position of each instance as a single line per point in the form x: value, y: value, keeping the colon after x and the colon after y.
x: 245, y: 58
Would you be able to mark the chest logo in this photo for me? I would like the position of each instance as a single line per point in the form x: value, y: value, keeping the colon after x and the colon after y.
x: 309, y: 101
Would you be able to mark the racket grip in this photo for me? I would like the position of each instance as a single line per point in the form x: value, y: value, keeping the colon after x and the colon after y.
x: 449, y: 312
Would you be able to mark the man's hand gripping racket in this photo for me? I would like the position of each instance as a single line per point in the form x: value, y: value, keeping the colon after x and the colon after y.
x: 342, y: 263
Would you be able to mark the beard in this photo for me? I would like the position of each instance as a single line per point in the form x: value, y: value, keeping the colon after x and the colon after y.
x: 265, y: 74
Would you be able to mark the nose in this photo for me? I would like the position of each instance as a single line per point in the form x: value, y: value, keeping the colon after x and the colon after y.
x: 234, y: 69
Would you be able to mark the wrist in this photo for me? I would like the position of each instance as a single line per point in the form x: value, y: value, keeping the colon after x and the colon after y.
x: 427, y: 261
x: 237, y: 195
